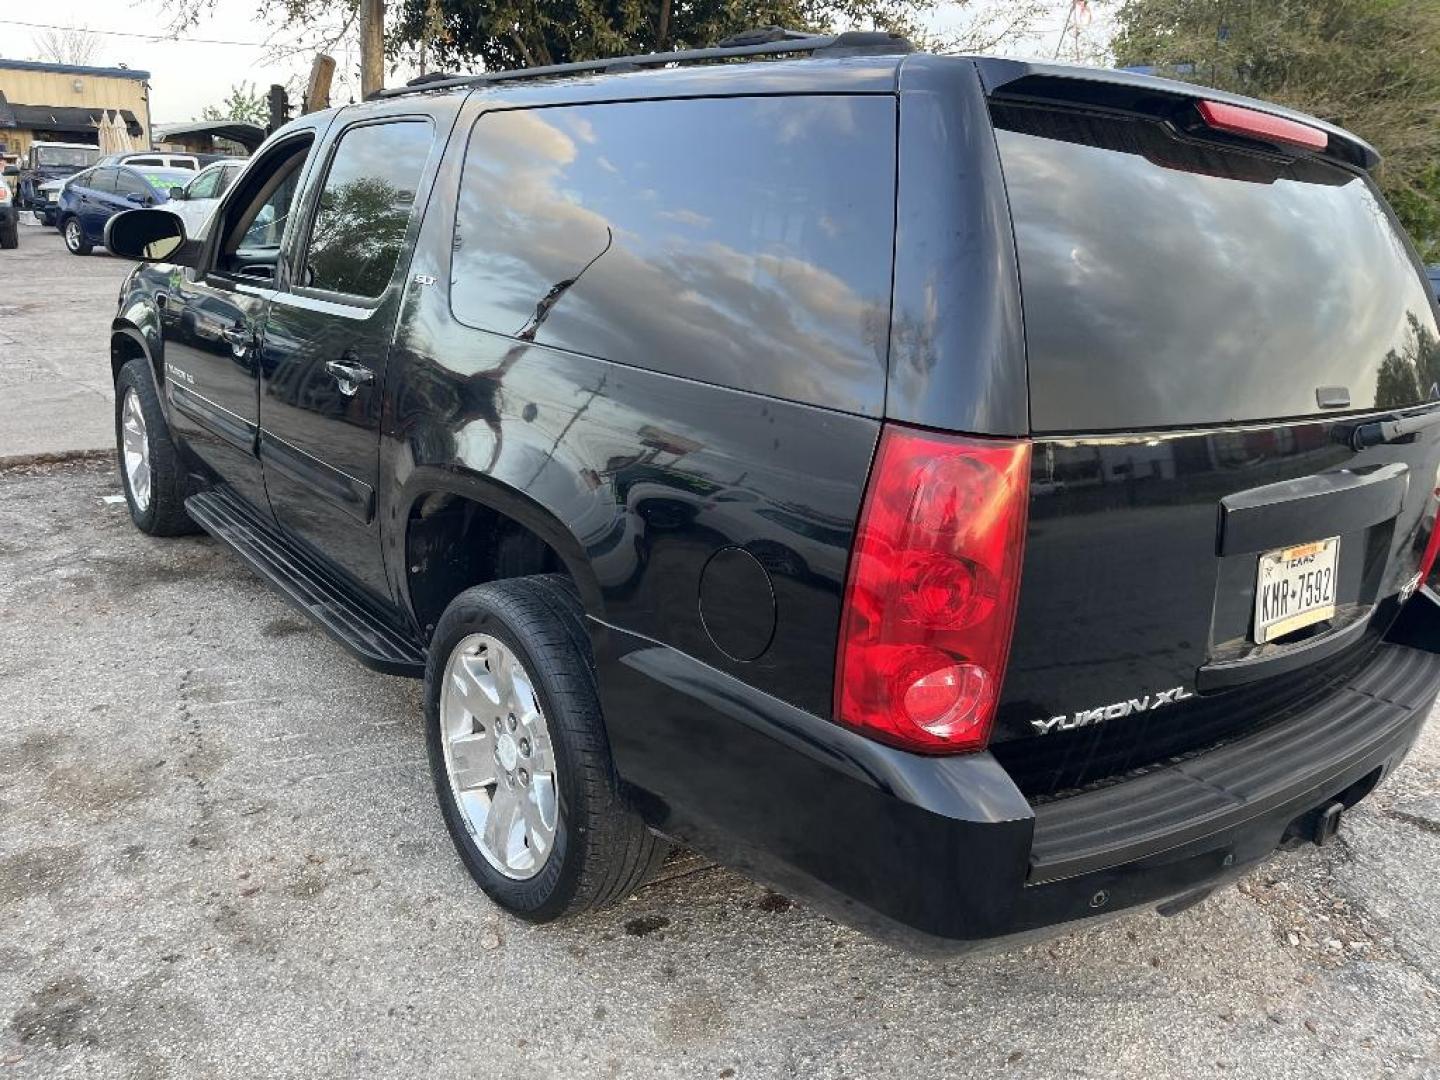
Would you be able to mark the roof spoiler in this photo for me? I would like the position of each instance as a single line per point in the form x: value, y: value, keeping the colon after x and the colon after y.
x: 1131, y: 92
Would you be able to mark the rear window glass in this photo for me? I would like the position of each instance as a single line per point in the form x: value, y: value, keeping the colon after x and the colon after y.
x: 1169, y: 282
x: 741, y: 241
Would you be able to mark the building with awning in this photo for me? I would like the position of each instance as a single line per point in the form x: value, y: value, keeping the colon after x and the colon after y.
x: 41, y: 102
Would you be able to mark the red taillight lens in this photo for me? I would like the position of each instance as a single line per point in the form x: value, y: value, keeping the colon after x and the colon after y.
x: 1432, y: 546
x: 1254, y: 124
x: 930, y: 602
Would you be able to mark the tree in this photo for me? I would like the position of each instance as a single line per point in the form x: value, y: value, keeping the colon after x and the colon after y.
x: 244, y: 104
x: 528, y: 33
x: 1367, y: 65
x: 64, y: 46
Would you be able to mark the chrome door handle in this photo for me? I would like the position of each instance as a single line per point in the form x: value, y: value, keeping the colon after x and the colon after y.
x: 349, y: 377
x: 239, y: 337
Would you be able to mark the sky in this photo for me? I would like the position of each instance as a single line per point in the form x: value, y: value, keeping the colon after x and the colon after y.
x: 232, y: 45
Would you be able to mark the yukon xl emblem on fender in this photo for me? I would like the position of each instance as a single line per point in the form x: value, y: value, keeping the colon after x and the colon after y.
x: 1099, y: 715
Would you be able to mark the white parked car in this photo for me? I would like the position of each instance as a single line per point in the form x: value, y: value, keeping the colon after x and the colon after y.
x: 152, y: 159
x: 197, y: 200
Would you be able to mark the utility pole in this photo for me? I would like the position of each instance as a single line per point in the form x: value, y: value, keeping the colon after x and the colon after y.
x: 372, y: 46
x: 279, y: 106
x: 317, y: 91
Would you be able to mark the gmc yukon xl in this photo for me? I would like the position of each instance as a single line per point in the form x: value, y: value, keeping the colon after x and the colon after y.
x: 975, y: 496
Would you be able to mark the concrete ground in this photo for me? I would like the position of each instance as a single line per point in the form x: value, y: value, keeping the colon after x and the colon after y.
x: 55, y: 312
x: 220, y: 857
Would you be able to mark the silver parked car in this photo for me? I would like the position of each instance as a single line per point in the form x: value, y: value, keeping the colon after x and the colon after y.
x: 196, y: 201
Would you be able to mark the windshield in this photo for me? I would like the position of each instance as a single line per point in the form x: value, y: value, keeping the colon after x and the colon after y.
x: 75, y: 156
x: 1171, y: 282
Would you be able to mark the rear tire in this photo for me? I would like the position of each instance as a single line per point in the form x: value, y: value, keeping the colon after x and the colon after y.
x: 10, y: 238
x: 528, y: 633
x: 151, y: 471
x: 75, y: 240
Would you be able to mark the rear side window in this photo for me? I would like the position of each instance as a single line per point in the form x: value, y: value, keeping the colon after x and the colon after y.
x: 365, y: 207
x: 1171, y: 282
x: 740, y: 241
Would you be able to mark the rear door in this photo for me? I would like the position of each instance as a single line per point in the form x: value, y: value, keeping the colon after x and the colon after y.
x: 328, y: 334
x: 1208, y: 319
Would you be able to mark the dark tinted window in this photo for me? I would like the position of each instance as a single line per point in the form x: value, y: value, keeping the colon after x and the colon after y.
x: 365, y: 207
x: 128, y: 182
x: 741, y: 241
x: 1171, y: 282
x: 102, y: 180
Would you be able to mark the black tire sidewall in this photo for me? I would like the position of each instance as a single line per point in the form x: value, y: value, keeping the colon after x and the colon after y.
x: 81, y: 247
x: 548, y: 893
x: 165, y: 515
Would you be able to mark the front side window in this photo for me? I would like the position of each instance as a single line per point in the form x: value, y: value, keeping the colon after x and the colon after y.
x: 227, y: 177
x: 741, y: 241
x: 365, y: 207
x: 252, y: 221
x: 103, y: 181
x: 267, y: 229
x: 204, y: 186
x: 130, y: 183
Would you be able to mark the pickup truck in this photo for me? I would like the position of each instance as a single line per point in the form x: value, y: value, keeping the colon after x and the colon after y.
x: 922, y: 482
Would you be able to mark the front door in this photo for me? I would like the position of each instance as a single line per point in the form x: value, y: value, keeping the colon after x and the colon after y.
x: 327, y: 339
x: 94, y: 202
x: 214, y: 316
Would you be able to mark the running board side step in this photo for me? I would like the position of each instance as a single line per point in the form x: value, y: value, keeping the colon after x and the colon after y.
x: 374, y: 640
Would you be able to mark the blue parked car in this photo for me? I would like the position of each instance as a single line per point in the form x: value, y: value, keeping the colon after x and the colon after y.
x: 93, y: 197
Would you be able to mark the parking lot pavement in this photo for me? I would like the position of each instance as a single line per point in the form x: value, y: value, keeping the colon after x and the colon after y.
x: 55, y: 312
x: 220, y: 856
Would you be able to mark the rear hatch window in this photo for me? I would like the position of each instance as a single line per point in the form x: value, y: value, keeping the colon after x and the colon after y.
x: 1172, y: 282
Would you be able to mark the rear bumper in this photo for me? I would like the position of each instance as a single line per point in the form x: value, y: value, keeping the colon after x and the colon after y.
x: 945, y: 854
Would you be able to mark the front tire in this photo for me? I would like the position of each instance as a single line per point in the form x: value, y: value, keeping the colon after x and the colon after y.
x: 10, y: 237
x: 75, y: 240
x: 520, y: 757
x: 151, y: 471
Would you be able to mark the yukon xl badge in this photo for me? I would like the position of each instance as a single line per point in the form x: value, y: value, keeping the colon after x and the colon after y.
x: 1099, y: 715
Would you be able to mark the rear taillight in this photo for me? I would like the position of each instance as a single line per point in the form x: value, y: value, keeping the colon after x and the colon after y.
x: 930, y: 600
x: 1432, y: 546
x: 1254, y: 124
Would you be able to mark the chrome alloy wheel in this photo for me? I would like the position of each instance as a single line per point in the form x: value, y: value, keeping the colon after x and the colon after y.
x: 498, y: 756
x: 73, y: 235
x: 135, y: 441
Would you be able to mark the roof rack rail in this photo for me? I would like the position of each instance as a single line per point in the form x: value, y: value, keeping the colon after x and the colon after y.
x: 765, y: 41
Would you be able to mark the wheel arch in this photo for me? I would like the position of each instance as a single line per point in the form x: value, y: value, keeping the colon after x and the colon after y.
x: 128, y: 342
x: 428, y: 573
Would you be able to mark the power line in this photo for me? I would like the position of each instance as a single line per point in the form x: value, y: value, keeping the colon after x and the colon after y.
x: 158, y: 38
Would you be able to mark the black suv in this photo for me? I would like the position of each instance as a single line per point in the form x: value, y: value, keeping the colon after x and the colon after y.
x: 973, y: 495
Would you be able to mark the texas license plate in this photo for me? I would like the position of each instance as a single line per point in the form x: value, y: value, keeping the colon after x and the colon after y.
x: 1295, y: 588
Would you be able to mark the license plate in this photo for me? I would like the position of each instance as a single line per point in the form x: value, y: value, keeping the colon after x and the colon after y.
x: 1295, y: 588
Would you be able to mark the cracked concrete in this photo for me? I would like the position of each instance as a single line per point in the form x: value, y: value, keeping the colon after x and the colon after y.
x: 55, y: 312
x: 220, y: 856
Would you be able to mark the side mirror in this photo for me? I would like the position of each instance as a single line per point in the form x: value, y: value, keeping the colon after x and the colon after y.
x: 11, y: 170
x: 138, y: 198
x: 178, y: 193
x: 150, y: 236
